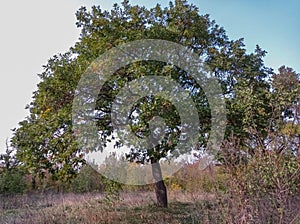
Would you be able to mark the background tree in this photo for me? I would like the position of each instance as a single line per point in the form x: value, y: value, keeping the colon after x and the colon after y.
x: 286, y: 109
x: 11, y: 173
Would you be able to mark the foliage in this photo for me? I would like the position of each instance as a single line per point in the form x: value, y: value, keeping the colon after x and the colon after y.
x: 286, y: 109
x: 272, y: 173
x: 87, y: 180
x: 45, y: 139
x: 112, y: 191
x: 262, y: 187
x: 11, y: 175
x: 193, y: 179
x: 12, y: 182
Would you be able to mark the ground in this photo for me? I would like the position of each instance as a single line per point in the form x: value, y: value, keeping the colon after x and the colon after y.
x: 133, y: 207
x: 139, y: 207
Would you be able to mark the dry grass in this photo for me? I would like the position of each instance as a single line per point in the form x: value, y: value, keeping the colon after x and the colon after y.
x: 133, y: 207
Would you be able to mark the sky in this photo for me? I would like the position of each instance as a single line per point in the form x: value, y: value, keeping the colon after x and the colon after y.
x: 33, y: 31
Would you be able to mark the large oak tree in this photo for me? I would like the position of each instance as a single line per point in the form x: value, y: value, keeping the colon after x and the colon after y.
x: 45, y: 140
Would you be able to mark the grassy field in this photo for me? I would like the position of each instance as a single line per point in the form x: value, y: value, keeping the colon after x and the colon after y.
x: 134, y: 207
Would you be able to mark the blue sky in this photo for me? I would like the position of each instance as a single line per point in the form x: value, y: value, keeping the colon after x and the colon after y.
x: 32, y: 31
x: 272, y: 24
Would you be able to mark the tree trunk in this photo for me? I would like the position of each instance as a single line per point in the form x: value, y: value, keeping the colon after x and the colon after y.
x: 33, y: 182
x: 160, y: 187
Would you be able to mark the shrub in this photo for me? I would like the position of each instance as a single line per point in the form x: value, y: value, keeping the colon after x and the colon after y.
x: 12, y: 181
x: 88, y: 180
x: 265, y: 190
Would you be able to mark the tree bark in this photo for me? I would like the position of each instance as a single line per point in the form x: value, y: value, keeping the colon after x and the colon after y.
x: 33, y: 182
x: 160, y: 187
